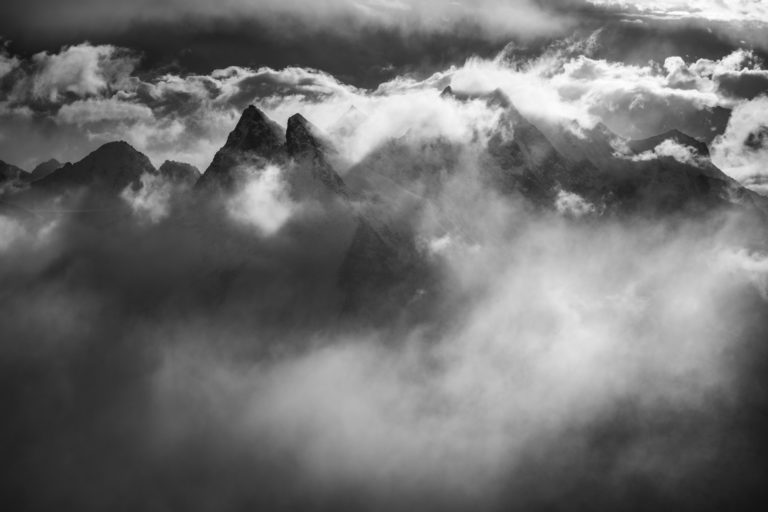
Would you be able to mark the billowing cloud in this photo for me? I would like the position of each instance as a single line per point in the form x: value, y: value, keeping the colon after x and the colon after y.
x: 82, y: 112
x: 724, y: 10
x: 742, y: 151
x: 82, y: 70
x: 263, y: 203
x: 669, y: 148
x: 572, y: 204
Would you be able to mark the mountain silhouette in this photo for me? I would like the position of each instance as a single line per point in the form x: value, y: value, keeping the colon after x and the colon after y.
x: 674, y: 135
x: 255, y: 141
x: 11, y: 176
x: 45, y: 168
x: 111, y: 168
x: 179, y: 172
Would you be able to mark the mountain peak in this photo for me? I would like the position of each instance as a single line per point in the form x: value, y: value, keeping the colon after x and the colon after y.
x: 674, y: 135
x: 179, y: 172
x: 311, y: 149
x: 303, y: 138
x: 257, y: 133
x: 45, y: 168
x: 113, y: 166
x: 255, y: 140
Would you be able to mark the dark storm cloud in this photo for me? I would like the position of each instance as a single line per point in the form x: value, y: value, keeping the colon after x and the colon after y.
x: 378, y: 39
x: 522, y: 16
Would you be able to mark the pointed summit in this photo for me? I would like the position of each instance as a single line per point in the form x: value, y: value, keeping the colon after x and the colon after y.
x: 674, y: 135
x: 310, y: 149
x: 304, y: 138
x: 256, y: 132
x: 44, y: 169
x: 254, y: 142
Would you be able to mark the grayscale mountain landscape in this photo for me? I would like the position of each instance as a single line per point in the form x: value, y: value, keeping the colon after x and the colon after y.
x: 384, y: 255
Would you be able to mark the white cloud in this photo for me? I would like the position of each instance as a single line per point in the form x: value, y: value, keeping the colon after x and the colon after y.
x: 151, y: 202
x: 723, y: 10
x: 15, y: 233
x: 568, y: 203
x: 88, y: 111
x: 263, y: 203
x: 82, y: 70
x: 732, y: 154
x: 751, y: 264
x: 7, y: 64
x: 669, y: 148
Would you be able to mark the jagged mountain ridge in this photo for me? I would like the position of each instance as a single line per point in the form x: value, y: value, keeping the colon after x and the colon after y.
x: 384, y: 257
x: 258, y: 141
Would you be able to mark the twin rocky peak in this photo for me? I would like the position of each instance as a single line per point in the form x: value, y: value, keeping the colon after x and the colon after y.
x: 258, y: 141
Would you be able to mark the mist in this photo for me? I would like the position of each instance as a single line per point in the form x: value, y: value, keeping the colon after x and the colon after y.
x: 197, y: 355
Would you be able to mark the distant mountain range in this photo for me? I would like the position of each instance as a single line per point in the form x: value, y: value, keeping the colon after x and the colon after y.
x: 380, y: 195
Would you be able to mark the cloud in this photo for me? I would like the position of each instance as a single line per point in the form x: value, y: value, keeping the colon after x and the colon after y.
x: 752, y: 264
x: 164, y: 346
x: 723, y: 10
x: 7, y: 64
x: 263, y: 203
x: 18, y: 236
x: 568, y: 203
x: 81, y: 70
x: 669, y: 148
x: 493, y: 17
x: 150, y: 202
x: 734, y: 154
x: 90, y: 111
x: 186, y: 117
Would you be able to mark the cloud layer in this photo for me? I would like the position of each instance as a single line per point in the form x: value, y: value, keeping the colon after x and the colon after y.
x: 74, y: 100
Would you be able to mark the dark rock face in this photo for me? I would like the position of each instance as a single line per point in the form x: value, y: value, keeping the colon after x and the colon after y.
x: 179, y: 172
x: 9, y: 173
x: 257, y: 133
x: 45, y: 168
x: 758, y: 139
x: 255, y: 141
x: 530, y: 164
x: 310, y: 150
x: 12, y: 179
x: 383, y: 270
x: 592, y: 165
x: 111, y: 168
x: 643, y: 145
